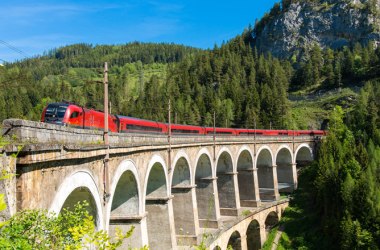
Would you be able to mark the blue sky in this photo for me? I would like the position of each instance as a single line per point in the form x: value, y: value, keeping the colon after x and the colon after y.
x: 32, y: 27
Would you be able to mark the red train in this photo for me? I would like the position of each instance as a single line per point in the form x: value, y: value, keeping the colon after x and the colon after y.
x: 69, y: 114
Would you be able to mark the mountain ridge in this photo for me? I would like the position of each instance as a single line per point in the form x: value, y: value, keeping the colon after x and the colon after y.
x: 292, y: 27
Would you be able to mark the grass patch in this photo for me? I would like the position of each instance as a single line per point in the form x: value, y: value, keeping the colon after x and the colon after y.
x: 284, y: 242
x: 269, y: 242
x: 309, y: 110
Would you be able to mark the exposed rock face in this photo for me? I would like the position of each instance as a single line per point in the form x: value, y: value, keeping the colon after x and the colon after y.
x: 332, y: 23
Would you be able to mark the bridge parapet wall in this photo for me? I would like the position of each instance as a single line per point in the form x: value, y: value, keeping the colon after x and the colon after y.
x: 42, y: 133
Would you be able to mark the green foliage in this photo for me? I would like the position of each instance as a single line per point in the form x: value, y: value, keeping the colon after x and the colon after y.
x: 71, y: 229
x: 333, y: 69
x: 337, y: 204
x: 269, y: 242
x: 3, y: 206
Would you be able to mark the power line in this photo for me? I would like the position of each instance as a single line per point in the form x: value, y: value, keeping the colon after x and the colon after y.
x: 14, y: 49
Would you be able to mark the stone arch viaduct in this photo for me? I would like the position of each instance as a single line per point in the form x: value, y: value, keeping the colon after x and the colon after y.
x: 223, y: 190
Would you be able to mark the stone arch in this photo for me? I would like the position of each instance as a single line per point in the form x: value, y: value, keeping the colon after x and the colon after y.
x: 253, y: 235
x: 266, y: 174
x: 183, y: 206
x: 125, y: 207
x: 217, y: 248
x: 184, y: 160
x: 159, y: 184
x: 235, y: 241
x: 226, y: 183
x: 286, y: 172
x: 76, y: 187
x: 246, y: 178
x: 230, y: 167
x: 204, y: 153
x: 205, y: 190
x: 303, y: 155
x: 157, y: 204
x: 127, y: 168
x: 271, y: 221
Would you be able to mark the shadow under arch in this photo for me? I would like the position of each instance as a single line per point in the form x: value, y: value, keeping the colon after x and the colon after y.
x: 157, y: 205
x: 253, y: 236
x: 235, y: 241
x: 183, y: 207
x: 79, y: 186
x: 204, y: 181
x: 124, y: 207
x: 246, y: 179
x: 303, y: 155
x: 286, y: 174
x: 265, y: 174
x: 226, y: 184
x: 271, y: 221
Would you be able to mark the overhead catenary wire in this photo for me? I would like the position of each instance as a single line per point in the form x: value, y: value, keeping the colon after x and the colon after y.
x: 19, y: 51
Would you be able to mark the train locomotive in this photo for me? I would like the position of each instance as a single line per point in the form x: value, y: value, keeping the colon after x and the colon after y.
x: 72, y: 115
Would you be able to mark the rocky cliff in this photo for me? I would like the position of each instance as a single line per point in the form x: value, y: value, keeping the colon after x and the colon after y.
x: 295, y: 25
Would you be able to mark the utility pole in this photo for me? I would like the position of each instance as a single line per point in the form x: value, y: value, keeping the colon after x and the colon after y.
x: 105, y: 136
x: 169, y: 137
x: 254, y: 139
x: 105, y: 81
x: 214, y: 136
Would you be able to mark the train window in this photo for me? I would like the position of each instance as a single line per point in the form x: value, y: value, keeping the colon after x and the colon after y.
x: 219, y: 133
x: 75, y: 114
x: 143, y: 128
x: 61, y: 112
x: 184, y: 131
x: 55, y: 111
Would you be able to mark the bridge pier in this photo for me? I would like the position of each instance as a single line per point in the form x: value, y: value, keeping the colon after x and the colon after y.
x: 243, y: 240
x: 275, y: 183
x: 229, y: 202
x: 295, y: 176
x: 206, y: 192
x: 247, y: 181
x: 263, y: 235
x: 185, y: 218
x: 160, y: 224
x: 139, y: 236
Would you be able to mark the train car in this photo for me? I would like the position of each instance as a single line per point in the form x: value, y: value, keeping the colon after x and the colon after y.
x: 249, y: 132
x: 72, y: 115
x: 186, y: 129
x: 220, y: 131
x: 136, y: 125
x: 318, y: 132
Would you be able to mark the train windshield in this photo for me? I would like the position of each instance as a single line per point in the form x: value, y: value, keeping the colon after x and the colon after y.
x: 55, y: 113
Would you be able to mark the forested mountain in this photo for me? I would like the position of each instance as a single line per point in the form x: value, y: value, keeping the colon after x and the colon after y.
x: 247, y: 86
x: 337, y: 205
x: 241, y: 85
x: 292, y: 27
